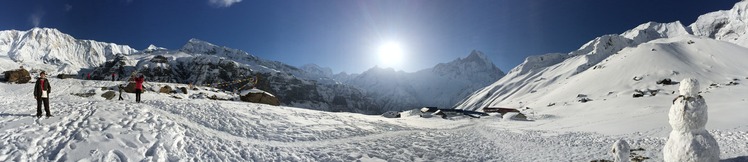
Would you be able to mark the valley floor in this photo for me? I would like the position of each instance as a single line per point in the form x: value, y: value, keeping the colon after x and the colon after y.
x: 168, y: 129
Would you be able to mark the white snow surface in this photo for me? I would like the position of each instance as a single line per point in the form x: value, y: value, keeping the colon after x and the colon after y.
x: 163, y: 128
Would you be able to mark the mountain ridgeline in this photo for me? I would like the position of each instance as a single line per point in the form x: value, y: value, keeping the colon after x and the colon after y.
x: 52, y: 50
x: 202, y: 63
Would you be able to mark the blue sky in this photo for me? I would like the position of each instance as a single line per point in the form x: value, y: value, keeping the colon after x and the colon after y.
x: 346, y: 35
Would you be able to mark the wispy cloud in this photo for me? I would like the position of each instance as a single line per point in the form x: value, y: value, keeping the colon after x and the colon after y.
x: 223, y: 3
x: 36, y: 18
x: 68, y: 7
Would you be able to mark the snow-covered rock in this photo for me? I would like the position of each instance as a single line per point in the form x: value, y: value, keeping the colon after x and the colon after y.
x: 620, y: 151
x: 689, y: 141
x: 258, y: 96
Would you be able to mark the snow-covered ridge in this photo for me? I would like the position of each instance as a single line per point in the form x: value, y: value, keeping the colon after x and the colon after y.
x: 726, y: 25
x: 653, y: 30
x: 51, y: 50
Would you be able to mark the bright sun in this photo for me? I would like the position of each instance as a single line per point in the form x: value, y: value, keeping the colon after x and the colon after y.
x: 391, y: 54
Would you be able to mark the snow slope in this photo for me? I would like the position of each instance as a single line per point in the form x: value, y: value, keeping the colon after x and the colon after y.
x: 54, y: 51
x: 163, y: 128
x: 544, y: 73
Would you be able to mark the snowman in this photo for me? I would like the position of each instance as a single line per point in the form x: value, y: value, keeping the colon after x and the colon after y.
x: 689, y: 141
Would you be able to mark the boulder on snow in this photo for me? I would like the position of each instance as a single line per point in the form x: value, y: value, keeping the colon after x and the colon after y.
x: 66, y: 76
x: 183, y: 89
x: 259, y: 96
x: 584, y: 99
x: 130, y: 88
x: 666, y: 81
x: 19, y: 76
x: 514, y: 116
x: 391, y: 114
x: 165, y: 89
x: 109, y: 95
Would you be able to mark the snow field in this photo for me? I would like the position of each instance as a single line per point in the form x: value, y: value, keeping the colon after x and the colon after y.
x: 167, y: 129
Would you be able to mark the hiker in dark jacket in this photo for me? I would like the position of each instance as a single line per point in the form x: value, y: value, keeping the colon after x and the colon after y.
x: 121, y: 88
x: 41, y: 94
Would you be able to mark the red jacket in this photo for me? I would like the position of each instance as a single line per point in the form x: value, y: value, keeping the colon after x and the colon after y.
x: 139, y: 83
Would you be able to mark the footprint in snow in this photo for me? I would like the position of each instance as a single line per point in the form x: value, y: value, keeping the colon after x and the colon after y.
x: 115, y: 155
x: 142, y: 139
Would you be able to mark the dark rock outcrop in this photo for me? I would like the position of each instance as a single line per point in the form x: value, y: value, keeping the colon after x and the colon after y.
x: 259, y: 96
x: 165, y: 89
x: 19, y: 76
x: 109, y: 95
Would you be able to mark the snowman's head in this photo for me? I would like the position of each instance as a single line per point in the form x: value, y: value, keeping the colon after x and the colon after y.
x: 689, y: 87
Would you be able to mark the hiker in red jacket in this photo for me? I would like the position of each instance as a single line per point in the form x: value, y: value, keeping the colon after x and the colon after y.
x: 41, y: 94
x: 138, y: 86
x: 114, y: 75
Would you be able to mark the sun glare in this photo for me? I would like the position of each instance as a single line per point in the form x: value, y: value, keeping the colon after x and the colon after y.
x: 391, y: 54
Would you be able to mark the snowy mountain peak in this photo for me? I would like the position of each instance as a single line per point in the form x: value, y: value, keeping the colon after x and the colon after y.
x: 476, y: 63
x: 195, y: 45
x: 726, y: 25
x: 51, y: 50
x: 46, y: 34
x: 315, y: 69
x: 154, y: 47
x: 200, y: 47
x: 477, y: 56
x: 654, y: 30
x: 740, y: 10
x: 52, y: 31
x: 198, y: 41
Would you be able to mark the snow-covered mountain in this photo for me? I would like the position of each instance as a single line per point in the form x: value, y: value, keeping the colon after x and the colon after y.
x: 152, y: 48
x: 203, y: 63
x: 54, y: 51
x: 618, y: 66
x: 726, y: 25
x: 443, y: 85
